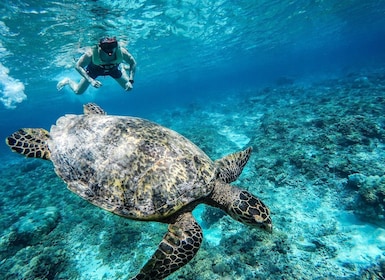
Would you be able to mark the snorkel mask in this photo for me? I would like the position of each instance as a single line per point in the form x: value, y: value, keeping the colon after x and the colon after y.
x: 108, y: 45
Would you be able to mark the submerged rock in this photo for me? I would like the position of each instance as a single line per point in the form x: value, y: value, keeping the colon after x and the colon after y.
x: 371, y: 189
x: 29, y: 230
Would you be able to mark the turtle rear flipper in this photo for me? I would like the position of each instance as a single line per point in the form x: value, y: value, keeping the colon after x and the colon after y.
x: 178, y: 247
x: 31, y: 142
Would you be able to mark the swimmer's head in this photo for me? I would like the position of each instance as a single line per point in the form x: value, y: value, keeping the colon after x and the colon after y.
x: 108, y: 45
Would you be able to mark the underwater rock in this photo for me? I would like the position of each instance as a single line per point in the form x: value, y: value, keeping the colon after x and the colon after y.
x: 356, y: 180
x: 43, y: 261
x: 306, y: 246
x: 221, y: 268
x: 361, y: 82
x: 371, y: 189
x: 29, y: 230
x: 35, y: 224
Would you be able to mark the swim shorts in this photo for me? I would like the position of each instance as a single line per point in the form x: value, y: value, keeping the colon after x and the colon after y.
x: 96, y: 70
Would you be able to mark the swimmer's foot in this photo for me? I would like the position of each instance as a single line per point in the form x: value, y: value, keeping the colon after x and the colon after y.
x: 62, y: 83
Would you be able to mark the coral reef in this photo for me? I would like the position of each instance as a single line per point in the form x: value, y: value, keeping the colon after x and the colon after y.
x: 317, y: 161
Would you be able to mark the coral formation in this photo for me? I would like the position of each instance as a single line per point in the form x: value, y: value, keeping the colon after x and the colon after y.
x: 318, y: 154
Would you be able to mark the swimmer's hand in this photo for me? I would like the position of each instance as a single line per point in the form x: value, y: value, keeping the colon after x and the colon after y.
x: 128, y: 86
x: 95, y: 83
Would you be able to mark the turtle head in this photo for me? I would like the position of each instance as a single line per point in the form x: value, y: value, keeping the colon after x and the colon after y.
x: 241, y: 205
x: 250, y: 210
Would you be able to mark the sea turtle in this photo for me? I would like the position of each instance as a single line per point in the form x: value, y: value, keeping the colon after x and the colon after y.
x: 143, y: 171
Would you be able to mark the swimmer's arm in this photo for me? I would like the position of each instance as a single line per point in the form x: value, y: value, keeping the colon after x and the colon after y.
x: 128, y: 58
x: 83, y: 61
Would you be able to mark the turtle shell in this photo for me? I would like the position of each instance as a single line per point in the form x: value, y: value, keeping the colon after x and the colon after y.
x: 129, y: 166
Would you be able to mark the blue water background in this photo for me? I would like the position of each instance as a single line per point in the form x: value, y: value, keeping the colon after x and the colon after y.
x: 186, y: 52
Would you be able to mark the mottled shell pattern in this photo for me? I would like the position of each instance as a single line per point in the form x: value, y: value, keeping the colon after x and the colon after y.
x: 129, y: 166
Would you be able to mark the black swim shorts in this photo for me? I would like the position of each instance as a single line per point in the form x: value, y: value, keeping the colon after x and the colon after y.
x: 96, y: 70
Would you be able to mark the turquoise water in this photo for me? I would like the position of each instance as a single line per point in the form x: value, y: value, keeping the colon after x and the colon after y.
x: 302, y: 82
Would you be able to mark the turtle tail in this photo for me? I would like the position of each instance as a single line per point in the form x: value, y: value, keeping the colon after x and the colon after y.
x: 31, y: 142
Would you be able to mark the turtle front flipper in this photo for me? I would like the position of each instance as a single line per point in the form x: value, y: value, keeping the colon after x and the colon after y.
x: 178, y: 247
x: 31, y: 142
x: 231, y: 166
x: 241, y: 205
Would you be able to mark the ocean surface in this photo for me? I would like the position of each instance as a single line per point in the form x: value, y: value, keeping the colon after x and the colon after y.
x: 302, y: 82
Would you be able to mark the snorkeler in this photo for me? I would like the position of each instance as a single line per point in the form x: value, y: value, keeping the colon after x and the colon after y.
x: 103, y: 60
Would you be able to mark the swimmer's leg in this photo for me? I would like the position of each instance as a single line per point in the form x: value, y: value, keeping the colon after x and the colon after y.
x: 62, y: 83
x: 76, y: 88
x: 81, y: 87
